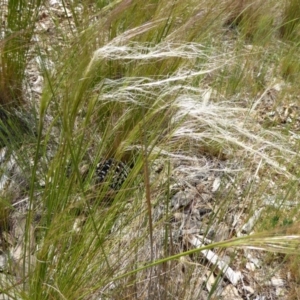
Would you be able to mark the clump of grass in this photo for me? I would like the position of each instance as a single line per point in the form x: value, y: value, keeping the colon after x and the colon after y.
x: 289, y: 67
x: 289, y: 29
x: 138, y: 91
x: 116, y: 116
x: 252, y: 19
x: 16, y: 35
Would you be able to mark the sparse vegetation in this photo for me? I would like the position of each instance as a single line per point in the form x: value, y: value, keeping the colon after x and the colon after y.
x: 200, y: 101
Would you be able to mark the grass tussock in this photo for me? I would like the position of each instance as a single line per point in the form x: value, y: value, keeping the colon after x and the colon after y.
x: 290, y: 22
x: 175, y: 96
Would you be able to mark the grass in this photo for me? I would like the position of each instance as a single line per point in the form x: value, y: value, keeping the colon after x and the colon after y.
x: 181, y: 87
